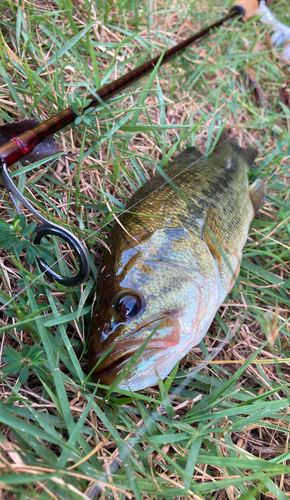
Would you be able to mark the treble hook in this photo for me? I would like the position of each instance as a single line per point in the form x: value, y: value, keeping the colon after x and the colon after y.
x: 48, y: 228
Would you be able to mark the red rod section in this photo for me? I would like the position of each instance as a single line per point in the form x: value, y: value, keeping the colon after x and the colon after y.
x: 20, y: 146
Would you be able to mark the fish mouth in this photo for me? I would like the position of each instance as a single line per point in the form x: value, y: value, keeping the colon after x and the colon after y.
x: 167, y: 335
x: 106, y: 372
x: 109, y: 369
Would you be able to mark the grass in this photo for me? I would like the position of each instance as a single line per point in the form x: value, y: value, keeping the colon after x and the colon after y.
x: 223, y: 433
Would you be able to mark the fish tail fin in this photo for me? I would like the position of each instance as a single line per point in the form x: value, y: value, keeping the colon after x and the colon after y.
x: 249, y: 155
x: 225, y: 142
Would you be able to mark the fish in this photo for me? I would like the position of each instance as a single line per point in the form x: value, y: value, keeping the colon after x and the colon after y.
x: 174, y: 256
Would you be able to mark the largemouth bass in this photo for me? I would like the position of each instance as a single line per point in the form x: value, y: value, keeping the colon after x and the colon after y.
x: 174, y: 258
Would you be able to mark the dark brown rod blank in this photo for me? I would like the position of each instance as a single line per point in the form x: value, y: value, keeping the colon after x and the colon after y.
x: 20, y: 146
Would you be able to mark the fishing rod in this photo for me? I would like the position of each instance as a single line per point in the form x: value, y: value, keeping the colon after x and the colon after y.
x: 19, y: 147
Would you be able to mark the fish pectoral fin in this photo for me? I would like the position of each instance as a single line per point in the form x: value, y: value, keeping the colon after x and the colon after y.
x: 215, y: 229
x: 257, y: 194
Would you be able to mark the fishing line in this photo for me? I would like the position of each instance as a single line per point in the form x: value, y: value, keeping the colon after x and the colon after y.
x: 229, y: 335
x: 30, y: 139
x: 117, y: 217
x: 180, y: 386
x: 19, y: 146
x: 190, y: 375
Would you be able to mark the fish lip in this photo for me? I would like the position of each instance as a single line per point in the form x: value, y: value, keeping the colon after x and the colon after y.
x: 111, y: 359
x: 103, y: 370
x: 119, y: 353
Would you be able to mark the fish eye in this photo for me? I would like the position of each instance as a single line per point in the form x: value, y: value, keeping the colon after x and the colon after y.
x: 128, y: 304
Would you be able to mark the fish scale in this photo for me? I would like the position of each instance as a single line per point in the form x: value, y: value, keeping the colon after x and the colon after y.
x: 174, y: 263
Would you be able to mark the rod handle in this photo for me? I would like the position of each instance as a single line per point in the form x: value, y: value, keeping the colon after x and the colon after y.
x: 247, y: 8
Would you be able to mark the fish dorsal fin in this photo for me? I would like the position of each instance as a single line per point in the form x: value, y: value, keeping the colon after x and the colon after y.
x: 187, y: 157
x: 223, y: 140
